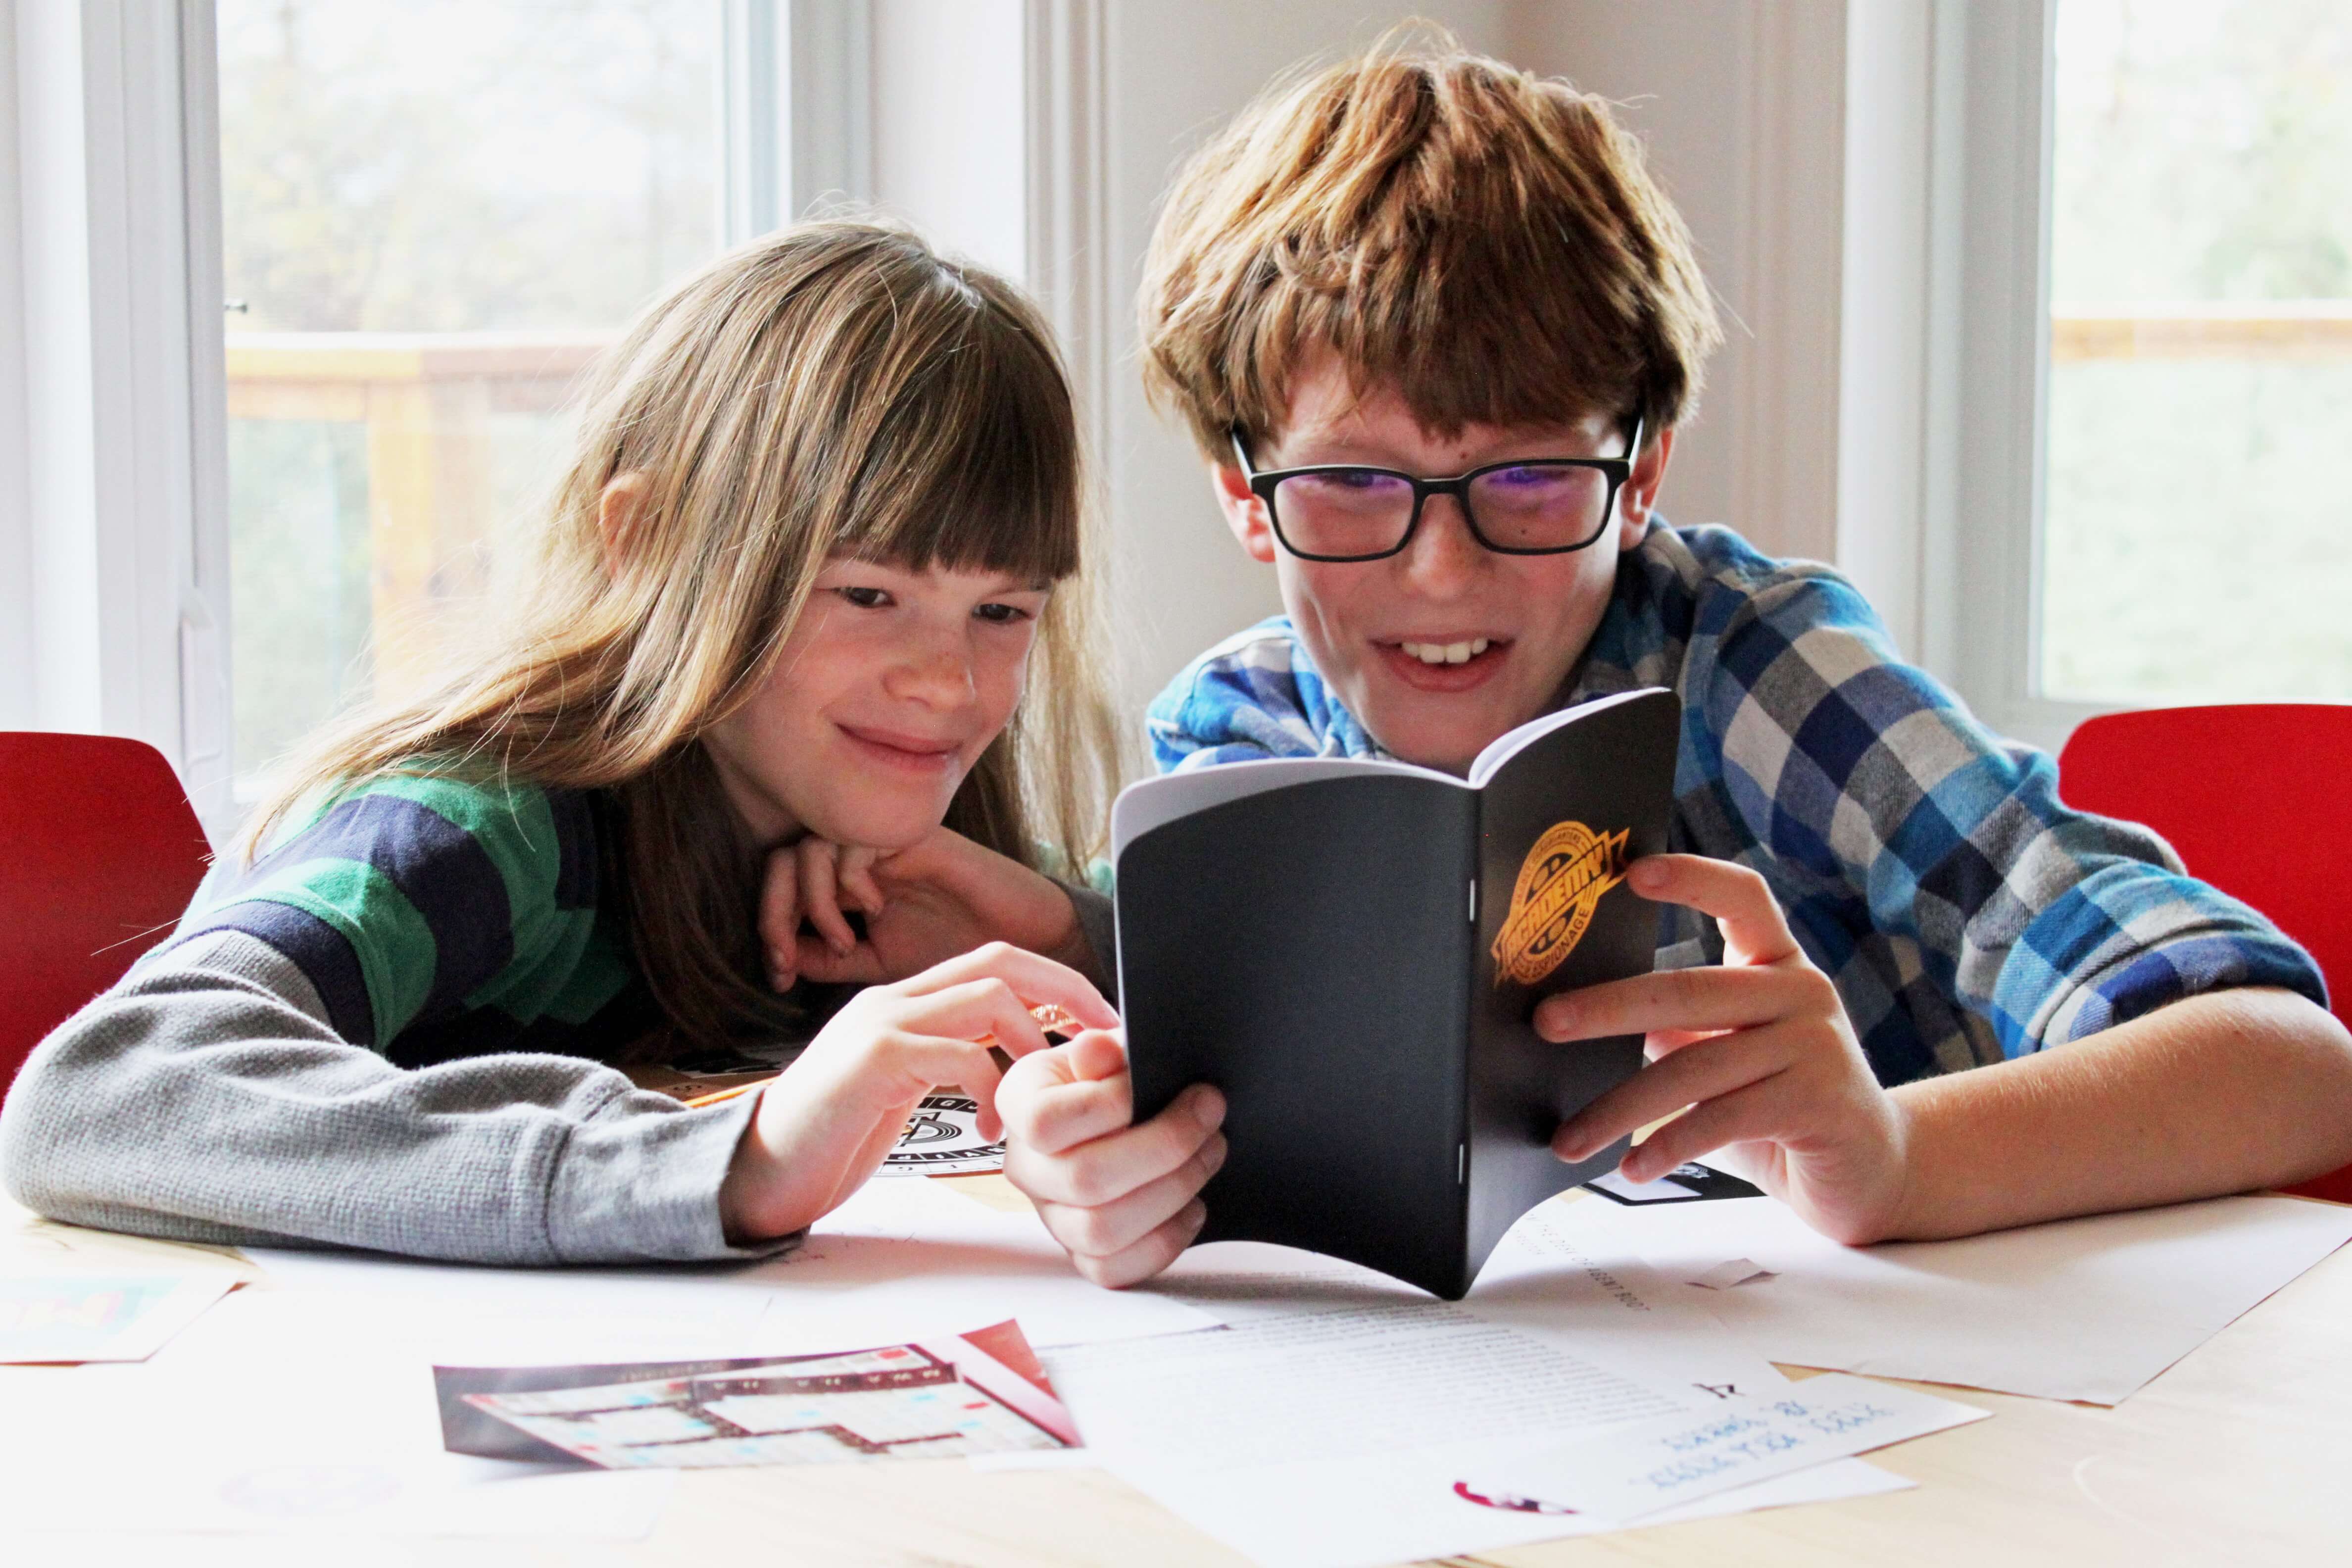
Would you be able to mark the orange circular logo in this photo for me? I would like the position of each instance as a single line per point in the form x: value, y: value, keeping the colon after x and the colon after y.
x: 1561, y: 883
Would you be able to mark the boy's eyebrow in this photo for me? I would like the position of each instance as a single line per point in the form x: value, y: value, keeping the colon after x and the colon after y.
x: 1319, y: 449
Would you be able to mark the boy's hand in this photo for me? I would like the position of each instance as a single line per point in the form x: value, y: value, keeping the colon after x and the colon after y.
x: 1123, y: 1200
x: 1760, y: 1051
x: 828, y: 1121
x: 942, y: 896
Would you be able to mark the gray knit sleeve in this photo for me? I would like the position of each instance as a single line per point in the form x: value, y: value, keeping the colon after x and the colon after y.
x: 205, y: 1099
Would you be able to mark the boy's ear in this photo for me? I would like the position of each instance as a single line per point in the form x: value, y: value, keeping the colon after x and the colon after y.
x: 617, y: 510
x: 1245, y: 513
x: 1639, y: 499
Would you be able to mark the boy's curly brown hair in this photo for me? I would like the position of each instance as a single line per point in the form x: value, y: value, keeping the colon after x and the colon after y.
x: 1483, y: 239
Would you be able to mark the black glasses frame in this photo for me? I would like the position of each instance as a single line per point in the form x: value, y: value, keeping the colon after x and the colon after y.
x: 1262, y: 483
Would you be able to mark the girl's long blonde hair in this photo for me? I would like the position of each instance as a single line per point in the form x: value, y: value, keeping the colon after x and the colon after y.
x: 839, y: 387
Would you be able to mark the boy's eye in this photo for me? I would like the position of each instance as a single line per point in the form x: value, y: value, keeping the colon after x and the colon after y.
x: 865, y: 598
x: 1000, y: 614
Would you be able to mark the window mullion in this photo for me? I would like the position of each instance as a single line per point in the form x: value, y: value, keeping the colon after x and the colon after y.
x: 109, y: 480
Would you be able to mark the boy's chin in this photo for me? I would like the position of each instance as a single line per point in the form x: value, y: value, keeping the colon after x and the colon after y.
x: 1428, y: 733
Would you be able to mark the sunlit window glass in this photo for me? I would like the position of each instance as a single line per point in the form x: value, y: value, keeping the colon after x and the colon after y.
x: 434, y: 212
x: 2198, y: 543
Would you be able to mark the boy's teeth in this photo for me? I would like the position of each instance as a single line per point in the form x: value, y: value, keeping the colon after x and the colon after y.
x: 1447, y: 652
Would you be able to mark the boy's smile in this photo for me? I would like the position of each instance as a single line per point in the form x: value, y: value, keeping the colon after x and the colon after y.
x: 1446, y: 645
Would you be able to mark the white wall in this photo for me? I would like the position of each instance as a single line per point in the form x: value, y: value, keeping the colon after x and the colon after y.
x: 948, y: 149
x: 1740, y: 106
x: 1174, y: 73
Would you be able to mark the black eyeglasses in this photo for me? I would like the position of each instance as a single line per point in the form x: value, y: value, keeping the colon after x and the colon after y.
x: 1530, y: 506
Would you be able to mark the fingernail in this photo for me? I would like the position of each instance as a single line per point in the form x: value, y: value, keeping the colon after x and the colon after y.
x: 1556, y: 1016
x: 1212, y: 1155
x: 1647, y: 874
x: 1209, y: 1108
x: 1570, y: 1145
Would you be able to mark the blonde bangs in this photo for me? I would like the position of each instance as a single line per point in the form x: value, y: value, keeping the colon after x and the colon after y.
x: 975, y: 467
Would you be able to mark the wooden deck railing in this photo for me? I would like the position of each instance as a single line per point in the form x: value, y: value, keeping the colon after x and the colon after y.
x: 2254, y: 330
x: 425, y: 399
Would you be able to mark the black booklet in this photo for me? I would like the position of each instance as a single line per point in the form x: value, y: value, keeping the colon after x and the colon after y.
x: 1352, y: 951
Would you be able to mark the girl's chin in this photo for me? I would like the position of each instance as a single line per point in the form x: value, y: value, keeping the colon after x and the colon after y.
x: 884, y: 831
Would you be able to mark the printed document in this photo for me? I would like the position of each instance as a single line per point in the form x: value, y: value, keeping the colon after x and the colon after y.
x: 1630, y: 1472
x: 2084, y: 1310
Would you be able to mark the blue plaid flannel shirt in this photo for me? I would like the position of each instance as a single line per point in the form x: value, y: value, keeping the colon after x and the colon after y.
x: 1927, y: 865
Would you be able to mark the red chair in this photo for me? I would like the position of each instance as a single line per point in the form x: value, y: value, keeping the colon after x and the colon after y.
x: 2242, y: 792
x: 99, y: 852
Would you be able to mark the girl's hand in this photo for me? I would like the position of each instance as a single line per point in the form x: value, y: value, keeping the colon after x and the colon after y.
x: 1123, y: 1200
x: 825, y: 1125
x: 942, y: 896
x: 1760, y: 1051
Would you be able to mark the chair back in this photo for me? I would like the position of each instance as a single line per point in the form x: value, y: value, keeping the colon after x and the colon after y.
x: 2242, y: 792
x: 100, y: 853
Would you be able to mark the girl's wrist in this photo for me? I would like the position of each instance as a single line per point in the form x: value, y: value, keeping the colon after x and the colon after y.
x: 1070, y: 947
x: 749, y: 1193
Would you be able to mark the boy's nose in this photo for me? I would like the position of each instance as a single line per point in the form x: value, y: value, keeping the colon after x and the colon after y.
x: 1444, y: 556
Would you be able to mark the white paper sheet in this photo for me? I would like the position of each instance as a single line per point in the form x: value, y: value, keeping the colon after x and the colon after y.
x: 92, y: 1317
x: 1732, y: 1272
x: 1338, y: 1419
x: 284, y: 1413
x: 2085, y: 1310
x: 899, y: 1258
x: 1643, y: 1469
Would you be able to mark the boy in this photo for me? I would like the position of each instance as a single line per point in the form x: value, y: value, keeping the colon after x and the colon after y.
x: 1416, y: 268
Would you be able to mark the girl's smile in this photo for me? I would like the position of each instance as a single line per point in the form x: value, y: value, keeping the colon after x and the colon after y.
x: 891, y: 749
x: 886, y: 692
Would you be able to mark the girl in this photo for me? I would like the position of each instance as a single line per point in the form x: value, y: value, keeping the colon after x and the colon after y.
x: 794, y: 580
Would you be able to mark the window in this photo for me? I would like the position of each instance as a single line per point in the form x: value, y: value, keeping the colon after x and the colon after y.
x: 432, y: 216
x: 424, y: 219
x: 2197, y: 536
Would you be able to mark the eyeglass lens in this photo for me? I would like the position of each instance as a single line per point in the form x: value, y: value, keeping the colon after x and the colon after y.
x: 1365, y: 512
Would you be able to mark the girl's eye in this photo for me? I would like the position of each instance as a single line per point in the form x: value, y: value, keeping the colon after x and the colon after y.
x: 1000, y: 614
x: 864, y: 598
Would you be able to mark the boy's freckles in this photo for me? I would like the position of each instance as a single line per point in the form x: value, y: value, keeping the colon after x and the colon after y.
x: 1446, y: 646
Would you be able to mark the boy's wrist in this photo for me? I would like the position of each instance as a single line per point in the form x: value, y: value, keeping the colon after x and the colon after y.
x: 1894, y: 1218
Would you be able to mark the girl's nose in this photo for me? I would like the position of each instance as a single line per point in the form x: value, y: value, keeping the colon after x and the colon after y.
x: 936, y: 676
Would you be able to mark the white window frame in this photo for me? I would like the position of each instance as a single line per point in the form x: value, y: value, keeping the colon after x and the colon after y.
x: 1990, y: 373
x: 794, y: 94
x: 112, y: 513
x: 1945, y: 341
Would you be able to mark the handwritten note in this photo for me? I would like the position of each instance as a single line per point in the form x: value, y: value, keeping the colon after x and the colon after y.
x: 1637, y: 1470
